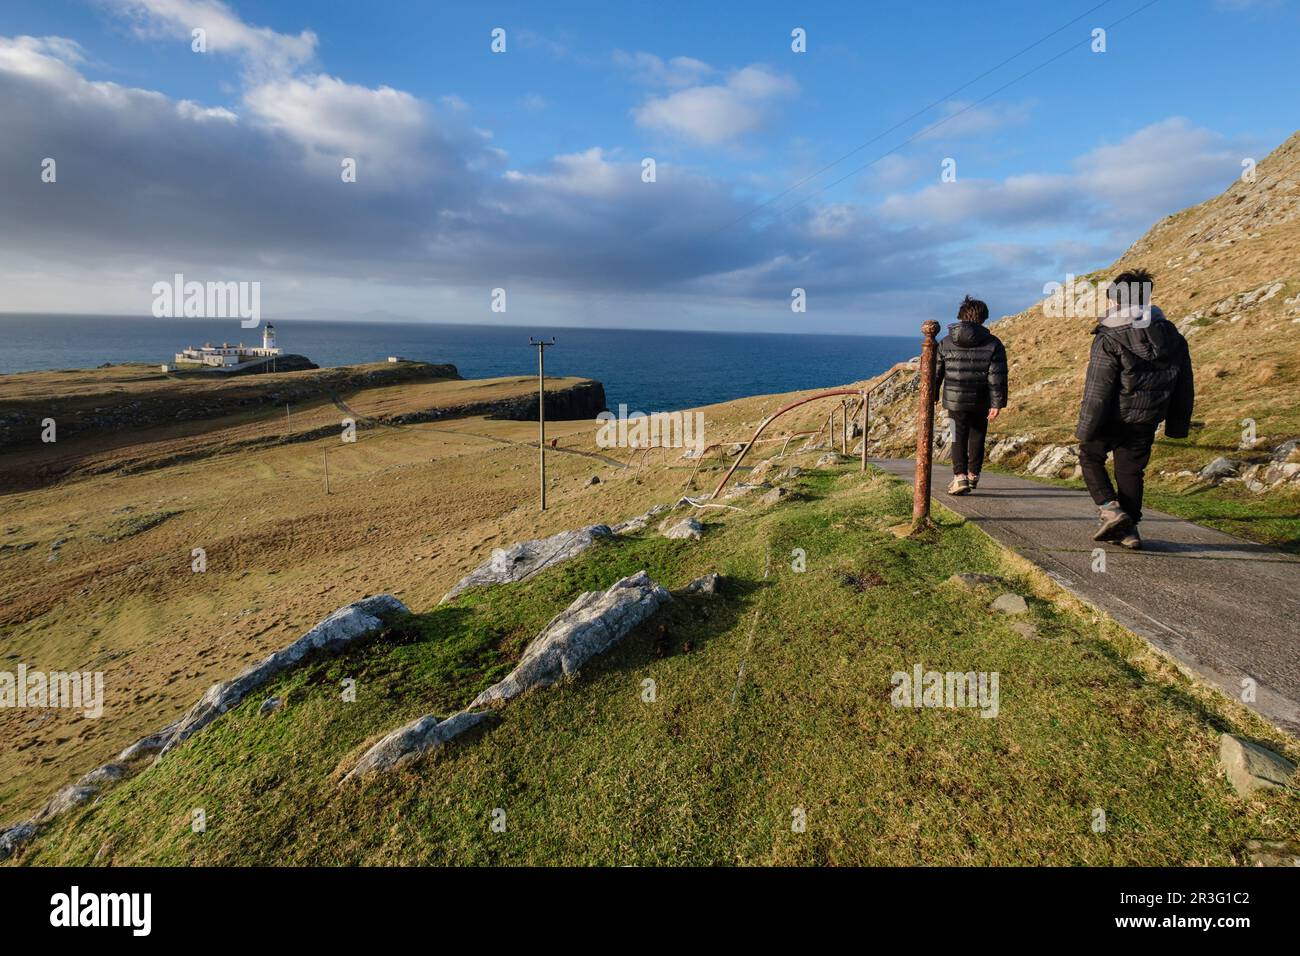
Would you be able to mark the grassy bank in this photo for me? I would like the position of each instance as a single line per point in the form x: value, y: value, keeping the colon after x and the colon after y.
x: 771, y: 700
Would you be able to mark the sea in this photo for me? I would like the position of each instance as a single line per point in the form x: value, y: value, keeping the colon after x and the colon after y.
x: 648, y: 370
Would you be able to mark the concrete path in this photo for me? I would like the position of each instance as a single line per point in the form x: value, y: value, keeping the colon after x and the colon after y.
x: 1225, y: 607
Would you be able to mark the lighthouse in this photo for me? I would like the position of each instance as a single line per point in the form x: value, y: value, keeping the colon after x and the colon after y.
x: 268, y: 336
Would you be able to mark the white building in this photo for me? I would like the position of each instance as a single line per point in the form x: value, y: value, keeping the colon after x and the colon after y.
x: 227, y: 355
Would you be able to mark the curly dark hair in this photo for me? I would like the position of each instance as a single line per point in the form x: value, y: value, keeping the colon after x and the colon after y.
x: 972, y: 310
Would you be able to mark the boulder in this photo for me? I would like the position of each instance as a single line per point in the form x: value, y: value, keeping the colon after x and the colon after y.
x: 348, y: 625
x: 12, y: 838
x: 775, y: 496
x: 1052, y: 460
x: 591, y: 625
x: 523, y: 560
x: 707, y: 585
x: 100, y: 776
x: 270, y: 706
x: 1008, y: 446
x: 412, y: 741
x: 1251, y: 767
x: 689, y: 529
x: 794, y: 471
x: 1219, y: 469
x: 830, y: 458
x: 147, y: 746
x: 1010, y: 604
x: 73, y: 795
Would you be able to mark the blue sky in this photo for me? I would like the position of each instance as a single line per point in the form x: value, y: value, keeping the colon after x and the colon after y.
x: 523, y: 170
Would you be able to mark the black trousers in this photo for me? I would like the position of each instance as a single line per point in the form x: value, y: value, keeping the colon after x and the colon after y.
x: 1131, y: 446
x: 968, y: 432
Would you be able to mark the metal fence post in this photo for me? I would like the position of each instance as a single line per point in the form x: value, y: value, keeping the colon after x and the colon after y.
x: 925, y: 427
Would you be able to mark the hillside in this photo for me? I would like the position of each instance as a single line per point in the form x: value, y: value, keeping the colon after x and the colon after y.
x: 768, y: 737
x: 1227, y: 272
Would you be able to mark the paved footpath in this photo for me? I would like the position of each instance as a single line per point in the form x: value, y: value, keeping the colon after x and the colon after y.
x: 1225, y: 607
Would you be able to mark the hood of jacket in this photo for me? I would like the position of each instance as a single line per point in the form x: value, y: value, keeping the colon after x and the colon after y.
x: 1151, y: 339
x: 968, y: 335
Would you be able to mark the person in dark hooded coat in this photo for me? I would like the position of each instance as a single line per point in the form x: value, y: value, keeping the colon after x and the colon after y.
x: 972, y: 369
x: 1139, y: 374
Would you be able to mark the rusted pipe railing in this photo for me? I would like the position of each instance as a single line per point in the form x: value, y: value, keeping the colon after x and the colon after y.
x: 771, y: 418
x: 925, y: 428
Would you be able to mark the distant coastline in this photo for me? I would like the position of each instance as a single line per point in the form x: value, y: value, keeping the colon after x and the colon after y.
x: 649, y: 370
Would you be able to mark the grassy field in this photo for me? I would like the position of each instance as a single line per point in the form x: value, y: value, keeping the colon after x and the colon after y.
x: 772, y: 701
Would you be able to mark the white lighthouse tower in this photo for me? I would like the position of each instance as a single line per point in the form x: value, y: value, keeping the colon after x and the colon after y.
x: 268, y: 336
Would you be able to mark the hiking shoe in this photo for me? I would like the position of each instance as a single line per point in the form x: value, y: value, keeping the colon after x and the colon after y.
x: 1131, y: 540
x: 1115, y: 522
x: 974, y: 481
x: 960, y: 485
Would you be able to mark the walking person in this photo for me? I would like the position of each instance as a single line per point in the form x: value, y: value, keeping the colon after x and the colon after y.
x: 972, y: 368
x: 1139, y: 374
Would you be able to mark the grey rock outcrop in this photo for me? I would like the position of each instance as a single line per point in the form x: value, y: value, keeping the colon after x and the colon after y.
x: 593, y: 623
x: 347, y: 625
x: 1251, y: 767
x: 775, y: 496
x: 688, y: 529
x: 1008, y: 446
x: 1219, y: 469
x: 640, y: 522
x: 1053, y: 461
x: 14, y: 837
x: 521, y: 561
x: 414, y: 740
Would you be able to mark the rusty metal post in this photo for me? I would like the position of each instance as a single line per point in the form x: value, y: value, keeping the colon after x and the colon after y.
x: 925, y: 427
x: 844, y: 428
x: 864, y: 431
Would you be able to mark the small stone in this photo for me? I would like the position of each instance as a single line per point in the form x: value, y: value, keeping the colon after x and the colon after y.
x: 270, y: 706
x: 830, y: 458
x: 774, y: 496
x: 1251, y: 767
x: 1010, y: 604
x: 970, y: 580
x: 593, y: 480
x: 12, y: 838
x: 1024, y: 629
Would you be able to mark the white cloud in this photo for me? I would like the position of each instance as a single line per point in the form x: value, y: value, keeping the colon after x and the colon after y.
x: 263, y: 51
x: 653, y: 71
x: 716, y: 115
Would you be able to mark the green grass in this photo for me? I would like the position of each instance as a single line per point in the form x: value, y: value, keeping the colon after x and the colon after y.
x: 771, y: 698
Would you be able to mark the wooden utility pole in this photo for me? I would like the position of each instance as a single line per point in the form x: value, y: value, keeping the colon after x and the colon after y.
x: 924, y: 428
x: 325, y: 459
x: 541, y: 413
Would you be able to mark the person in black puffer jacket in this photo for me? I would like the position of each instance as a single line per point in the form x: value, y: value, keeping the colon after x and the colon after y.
x: 1139, y: 374
x: 972, y: 369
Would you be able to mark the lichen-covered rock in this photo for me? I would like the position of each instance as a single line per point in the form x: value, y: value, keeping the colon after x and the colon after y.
x: 12, y: 838
x: 347, y: 625
x: 592, y: 624
x: 688, y: 529
x: 523, y: 560
x: 412, y: 741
